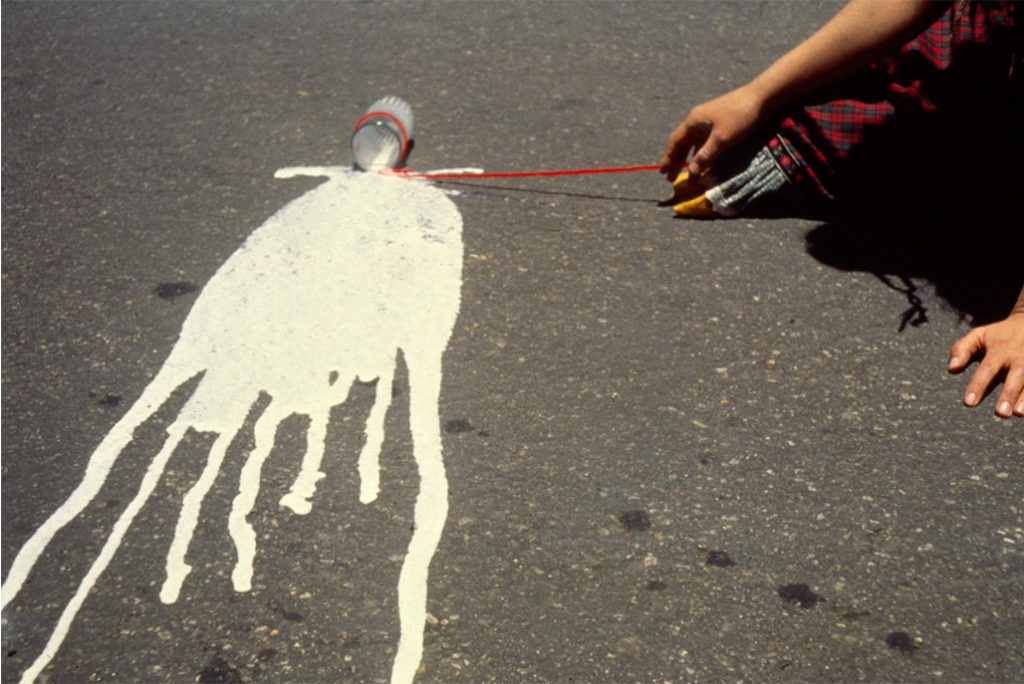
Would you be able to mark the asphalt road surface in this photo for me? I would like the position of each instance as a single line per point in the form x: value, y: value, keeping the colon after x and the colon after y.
x: 675, y: 450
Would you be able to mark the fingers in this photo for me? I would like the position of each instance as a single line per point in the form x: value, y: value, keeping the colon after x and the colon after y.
x: 673, y: 155
x: 989, y: 343
x: 960, y: 355
x: 980, y: 381
x: 1011, y: 399
x: 705, y: 155
x: 711, y: 128
x: 708, y: 138
x: 963, y: 349
x: 687, y: 136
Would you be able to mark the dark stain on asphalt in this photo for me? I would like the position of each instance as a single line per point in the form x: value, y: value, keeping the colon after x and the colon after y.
x: 901, y: 641
x: 799, y: 593
x: 218, y: 671
x: 266, y: 654
x: 106, y: 399
x: 635, y: 521
x: 289, y: 615
x: 719, y: 559
x: 173, y: 290
x: 855, y: 614
x: 458, y: 426
x: 656, y: 585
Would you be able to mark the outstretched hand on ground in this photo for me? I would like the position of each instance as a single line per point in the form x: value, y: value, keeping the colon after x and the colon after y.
x: 1000, y: 347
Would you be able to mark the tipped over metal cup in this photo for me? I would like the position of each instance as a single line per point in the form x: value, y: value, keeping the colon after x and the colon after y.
x: 380, y: 139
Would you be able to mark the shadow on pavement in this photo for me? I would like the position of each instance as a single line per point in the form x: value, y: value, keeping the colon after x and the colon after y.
x: 962, y: 233
x: 937, y: 198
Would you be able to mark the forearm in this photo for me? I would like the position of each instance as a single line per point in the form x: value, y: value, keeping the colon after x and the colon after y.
x: 859, y: 34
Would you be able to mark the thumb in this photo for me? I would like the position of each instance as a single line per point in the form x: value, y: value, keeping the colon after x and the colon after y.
x: 703, y: 158
x: 963, y: 349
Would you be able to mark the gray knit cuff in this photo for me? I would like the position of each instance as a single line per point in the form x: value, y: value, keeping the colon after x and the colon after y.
x: 762, y: 176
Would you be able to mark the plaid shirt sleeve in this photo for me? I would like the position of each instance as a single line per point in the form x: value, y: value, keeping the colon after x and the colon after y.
x: 813, y: 140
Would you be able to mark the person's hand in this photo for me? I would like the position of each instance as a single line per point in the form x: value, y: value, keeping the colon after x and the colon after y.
x: 711, y: 128
x: 1001, y: 347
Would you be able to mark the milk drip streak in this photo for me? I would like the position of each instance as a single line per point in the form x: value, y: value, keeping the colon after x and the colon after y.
x: 326, y: 292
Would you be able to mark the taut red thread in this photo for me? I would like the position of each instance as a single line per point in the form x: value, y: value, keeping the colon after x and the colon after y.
x: 408, y: 173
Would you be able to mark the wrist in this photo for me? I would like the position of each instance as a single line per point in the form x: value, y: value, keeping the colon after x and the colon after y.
x: 1018, y: 308
x: 764, y: 95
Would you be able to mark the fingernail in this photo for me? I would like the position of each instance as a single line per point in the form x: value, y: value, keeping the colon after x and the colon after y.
x: 971, y: 399
x: 1004, y: 408
x: 1020, y: 409
x: 954, y: 361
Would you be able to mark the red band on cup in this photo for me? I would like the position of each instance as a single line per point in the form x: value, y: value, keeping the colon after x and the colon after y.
x: 387, y: 115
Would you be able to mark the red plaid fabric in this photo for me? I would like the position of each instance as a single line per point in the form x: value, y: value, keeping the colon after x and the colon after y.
x: 812, y: 142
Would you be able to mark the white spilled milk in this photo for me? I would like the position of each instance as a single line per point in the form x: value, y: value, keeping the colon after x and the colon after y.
x: 326, y: 291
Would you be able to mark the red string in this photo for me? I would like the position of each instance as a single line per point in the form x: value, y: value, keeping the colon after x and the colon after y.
x: 408, y: 173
